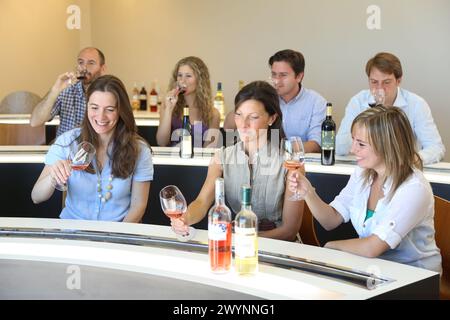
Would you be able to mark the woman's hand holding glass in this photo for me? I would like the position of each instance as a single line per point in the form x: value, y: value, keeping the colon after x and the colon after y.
x: 297, y: 183
x: 172, y: 95
x: 79, y: 159
x: 174, y: 206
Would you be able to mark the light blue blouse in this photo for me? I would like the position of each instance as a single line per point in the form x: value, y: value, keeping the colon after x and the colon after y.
x: 83, y: 201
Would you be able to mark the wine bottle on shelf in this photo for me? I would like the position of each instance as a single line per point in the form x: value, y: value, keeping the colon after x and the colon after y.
x: 241, y: 84
x: 153, y: 98
x: 135, y: 103
x: 219, y: 101
x: 328, y: 138
x: 143, y: 99
x: 246, y: 240
x: 186, y: 145
x: 219, y: 232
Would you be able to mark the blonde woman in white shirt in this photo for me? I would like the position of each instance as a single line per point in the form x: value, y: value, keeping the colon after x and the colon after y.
x: 388, y: 200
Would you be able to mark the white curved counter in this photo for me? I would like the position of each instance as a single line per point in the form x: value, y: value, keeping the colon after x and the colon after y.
x: 38, y: 262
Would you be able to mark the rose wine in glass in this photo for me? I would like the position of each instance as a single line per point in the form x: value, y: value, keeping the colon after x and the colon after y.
x: 294, y: 158
x: 174, y: 205
x: 79, y: 158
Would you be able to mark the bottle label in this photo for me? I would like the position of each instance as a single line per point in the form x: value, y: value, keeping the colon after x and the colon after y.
x: 153, y: 100
x: 219, y: 106
x: 328, y: 140
x: 245, y: 242
x: 217, y: 231
x: 186, y: 144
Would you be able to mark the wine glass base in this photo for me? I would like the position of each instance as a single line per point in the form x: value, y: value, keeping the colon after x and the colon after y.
x: 188, y: 236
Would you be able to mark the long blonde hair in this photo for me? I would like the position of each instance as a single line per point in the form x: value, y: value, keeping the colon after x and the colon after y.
x: 391, y: 136
x: 203, y: 93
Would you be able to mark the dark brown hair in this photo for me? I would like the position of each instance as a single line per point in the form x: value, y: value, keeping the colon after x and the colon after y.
x: 125, y: 140
x: 266, y: 94
x: 294, y: 58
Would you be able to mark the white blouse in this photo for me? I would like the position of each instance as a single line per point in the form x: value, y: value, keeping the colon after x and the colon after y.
x: 405, y: 223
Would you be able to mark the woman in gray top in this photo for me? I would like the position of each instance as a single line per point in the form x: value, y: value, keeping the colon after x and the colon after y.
x: 254, y: 160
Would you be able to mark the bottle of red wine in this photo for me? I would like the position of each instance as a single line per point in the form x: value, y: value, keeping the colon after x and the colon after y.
x: 186, y: 144
x: 328, y: 138
x: 143, y: 99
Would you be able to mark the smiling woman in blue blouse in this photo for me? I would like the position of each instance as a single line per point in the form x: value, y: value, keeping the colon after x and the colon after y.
x: 388, y: 200
x: 115, y: 187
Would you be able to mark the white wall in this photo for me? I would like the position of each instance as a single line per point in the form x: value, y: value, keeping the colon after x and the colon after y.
x: 143, y: 39
x: 36, y: 46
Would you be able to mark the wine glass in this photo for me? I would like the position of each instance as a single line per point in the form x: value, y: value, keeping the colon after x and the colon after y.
x: 79, y: 158
x: 294, y: 158
x: 77, y: 75
x: 180, y: 88
x: 377, y: 97
x: 272, y: 81
x: 174, y: 206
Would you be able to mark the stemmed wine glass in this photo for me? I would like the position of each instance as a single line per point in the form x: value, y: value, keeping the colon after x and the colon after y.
x: 180, y: 88
x: 294, y: 158
x: 77, y: 75
x: 174, y: 206
x: 272, y: 81
x: 377, y: 97
x: 79, y: 158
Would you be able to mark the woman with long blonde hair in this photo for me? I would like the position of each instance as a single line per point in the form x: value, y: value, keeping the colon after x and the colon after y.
x: 190, y: 86
x: 388, y: 200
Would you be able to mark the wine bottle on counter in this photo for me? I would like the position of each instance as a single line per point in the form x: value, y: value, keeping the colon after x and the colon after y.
x: 246, y: 236
x: 328, y: 138
x: 219, y: 232
x: 143, y: 99
x: 186, y: 144
x: 135, y: 103
x: 153, y: 98
x: 219, y: 102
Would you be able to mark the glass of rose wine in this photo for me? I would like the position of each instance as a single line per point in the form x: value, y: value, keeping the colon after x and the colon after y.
x: 174, y: 206
x: 294, y: 158
x: 80, y: 158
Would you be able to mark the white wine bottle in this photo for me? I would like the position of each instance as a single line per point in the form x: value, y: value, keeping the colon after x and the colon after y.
x: 219, y: 101
x: 246, y: 239
x: 186, y: 146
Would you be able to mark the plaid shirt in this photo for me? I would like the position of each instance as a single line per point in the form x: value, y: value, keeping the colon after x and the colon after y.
x: 71, y: 107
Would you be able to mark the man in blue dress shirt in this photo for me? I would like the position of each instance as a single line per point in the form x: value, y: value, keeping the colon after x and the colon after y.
x: 303, y: 109
x: 385, y: 72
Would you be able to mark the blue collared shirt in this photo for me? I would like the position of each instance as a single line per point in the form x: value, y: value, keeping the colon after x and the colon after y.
x: 83, y: 201
x: 70, y: 105
x: 405, y: 222
x: 303, y: 115
x: 429, y: 142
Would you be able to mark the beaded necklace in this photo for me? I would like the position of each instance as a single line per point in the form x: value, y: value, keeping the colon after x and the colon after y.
x: 109, y: 187
x: 108, y: 193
